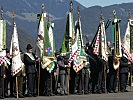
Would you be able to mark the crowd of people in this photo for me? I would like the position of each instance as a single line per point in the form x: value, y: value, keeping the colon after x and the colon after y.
x: 97, y: 76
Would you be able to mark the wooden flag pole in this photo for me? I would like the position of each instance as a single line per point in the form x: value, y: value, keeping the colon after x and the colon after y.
x: 83, y: 80
x: 105, y: 76
x: 118, y: 80
x: 51, y: 83
x: 68, y: 80
x: 17, y: 86
x: 3, y: 68
x: 39, y: 78
x: 131, y: 77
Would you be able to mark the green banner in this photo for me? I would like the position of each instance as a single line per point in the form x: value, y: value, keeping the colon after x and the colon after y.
x: 131, y: 38
x: 2, y: 34
x: 68, y: 36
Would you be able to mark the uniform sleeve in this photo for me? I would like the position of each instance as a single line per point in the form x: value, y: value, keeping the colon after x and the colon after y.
x: 61, y: 64
x: 28, y: 61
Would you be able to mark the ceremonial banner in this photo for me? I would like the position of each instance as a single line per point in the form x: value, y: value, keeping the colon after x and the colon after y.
x: 2, y: 57
x: 2, y: 34
x: 41, y: 32
x: 126, y: 42
x: 131, y: 37
x: 2, y: 41
x: 117, y: 43
x: 81, y: 55
x: 103, y: 42
x: 66, y: 47
x: 97, y: 43
x: 117, y: 38
x: 15, y: 51
x: 127, y: 39
x: 49, y: 47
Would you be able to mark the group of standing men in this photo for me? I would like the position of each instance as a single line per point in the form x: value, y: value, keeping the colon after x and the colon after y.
x: 96, y: 76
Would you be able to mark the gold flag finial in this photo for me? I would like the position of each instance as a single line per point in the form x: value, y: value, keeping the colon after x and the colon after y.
x: 43, y: 7
x: 13, y: 15
x: 2, y: 12
x: 101, y: 15
x: 129, y: 14
x: 71, y: 4
x: 49, y: 18
x: 114, y: 13
x: 78, y: 10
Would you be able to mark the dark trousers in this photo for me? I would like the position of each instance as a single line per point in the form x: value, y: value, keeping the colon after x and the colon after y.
x: 20, y: 85
x: 112, y: 81
x: 31, y: 83
x: 64, y: 83
x: 76, y: 78
x: 83, y: 81
x: 6, y: 81
x: 94, y: 78
x: 24, y: 85
x: 100, y: 80
x: 86, y: 81
x: 48, y: 88
x: 0, y: 86
x: 12, y: 85
x: 123, y: 81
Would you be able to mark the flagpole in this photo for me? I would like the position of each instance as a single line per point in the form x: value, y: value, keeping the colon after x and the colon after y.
x: 39, y: 78
x: 130, y: 17
x: 51, y: 82
x: 40, y: 56
x: 13, y: 17
x: 17, y: 86
x: 83, y: 80
x: 105, y: 78
x: 118, y: 80
x: 104, y: 64
x: 68, y: 79
x: 3, y: 67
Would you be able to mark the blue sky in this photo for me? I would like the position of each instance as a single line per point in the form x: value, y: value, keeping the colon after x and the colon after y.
x: 89, y: 3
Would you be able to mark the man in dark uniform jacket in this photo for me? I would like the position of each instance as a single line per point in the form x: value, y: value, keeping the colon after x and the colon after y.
x: 93, y: 68
x: 100, y: 81
x: 8, y: 75
x: 83, y: 79
x: 63, y: 75
x: 112, y: 74
x: 31, y: 71
x: 123, y: 73
x: 1, y: 76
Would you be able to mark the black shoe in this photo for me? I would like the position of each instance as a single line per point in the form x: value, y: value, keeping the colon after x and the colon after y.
x: 6, y: 96
x: 79, y: 93
x: 51, y: 94
x: 86, y: 93
x: 122, y: 91
x: 1, y: 97
x: 62, y: 94
x: 115, y: 91
x: 11, y: 95
x: 110, y: 91
x: 34, y: 95
x: 21, y: 96
x: 29, y: 95
x: 47, y: 94
x: 99, y: 92
x: 126, y: 91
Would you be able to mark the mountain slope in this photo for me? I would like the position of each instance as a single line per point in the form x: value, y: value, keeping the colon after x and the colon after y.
x: 24, y: 38
x: 90, y: 18
x: 27, y: 10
